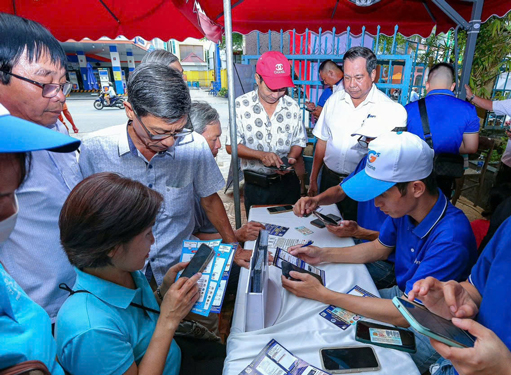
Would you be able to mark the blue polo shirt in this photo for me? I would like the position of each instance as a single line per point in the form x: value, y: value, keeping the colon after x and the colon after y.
x: 324, y: 97
x: 449, y: 118
x: 368, y: 215
x: 442, y: 245
x: 25, y: 328
x: 491, y: 277
x: 101, y: 333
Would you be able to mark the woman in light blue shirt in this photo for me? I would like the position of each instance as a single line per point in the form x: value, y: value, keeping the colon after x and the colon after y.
x: 113, y: 323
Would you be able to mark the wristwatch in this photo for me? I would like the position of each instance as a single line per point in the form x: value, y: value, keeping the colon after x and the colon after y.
x: 472, y: 98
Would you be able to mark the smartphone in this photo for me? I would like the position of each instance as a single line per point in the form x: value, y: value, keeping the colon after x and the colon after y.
x: 199, y: 261
x: 325, y: 219
x: 386, y: 336
x: 349, y: 359
x: 432, y: 325
x: 318, y: 223
x: 280, y: 209
x: 284, y: 166
x: 287, y: 267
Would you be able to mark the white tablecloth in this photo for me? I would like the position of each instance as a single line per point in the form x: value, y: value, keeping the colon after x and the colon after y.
x: 299, y: 327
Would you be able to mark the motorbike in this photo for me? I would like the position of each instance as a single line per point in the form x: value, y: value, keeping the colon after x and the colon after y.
x: 116, y: 101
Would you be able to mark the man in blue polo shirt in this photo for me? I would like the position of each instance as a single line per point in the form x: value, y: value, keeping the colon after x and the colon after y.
x: 430, y: 237
x: 453, y: 123
x: 369, y: 217
x: 483, y: 297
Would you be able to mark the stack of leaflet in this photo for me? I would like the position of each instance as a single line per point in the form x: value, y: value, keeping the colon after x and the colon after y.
x: 258, y: 284
x: 213, y: 283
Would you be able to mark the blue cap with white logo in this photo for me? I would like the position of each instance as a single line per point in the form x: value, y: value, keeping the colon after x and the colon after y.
x: 18, y: 135
x: 392, y: 158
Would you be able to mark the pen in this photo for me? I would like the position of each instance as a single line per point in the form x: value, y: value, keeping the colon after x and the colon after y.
x: 308, y: 244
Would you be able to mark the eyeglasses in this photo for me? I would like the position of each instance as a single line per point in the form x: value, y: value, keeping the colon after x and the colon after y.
x: 363, y: 141
x: 160, y: 137
x: 50, y: 90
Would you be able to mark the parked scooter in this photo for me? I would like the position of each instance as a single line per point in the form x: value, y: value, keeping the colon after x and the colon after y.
x: 116, y: 101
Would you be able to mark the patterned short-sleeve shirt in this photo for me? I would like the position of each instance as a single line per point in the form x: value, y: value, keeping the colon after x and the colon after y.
x: 257, y: 131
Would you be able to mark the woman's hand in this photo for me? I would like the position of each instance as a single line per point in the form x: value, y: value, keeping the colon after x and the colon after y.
x: 179, y: 299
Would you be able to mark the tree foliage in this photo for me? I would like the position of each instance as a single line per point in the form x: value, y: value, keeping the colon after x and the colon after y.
x: 237, y: 42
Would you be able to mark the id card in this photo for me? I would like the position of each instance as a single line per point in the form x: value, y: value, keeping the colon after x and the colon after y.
x: 385, y: 336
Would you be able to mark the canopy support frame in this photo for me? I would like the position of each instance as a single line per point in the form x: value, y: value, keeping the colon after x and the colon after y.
x: 232, y: 111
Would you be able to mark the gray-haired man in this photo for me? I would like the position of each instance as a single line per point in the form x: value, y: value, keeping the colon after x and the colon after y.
x: 206, y: 121
x: 158, y: 148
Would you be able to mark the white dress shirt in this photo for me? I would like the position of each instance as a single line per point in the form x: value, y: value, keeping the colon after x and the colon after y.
x: 503, y: 107
x: 340, y: 118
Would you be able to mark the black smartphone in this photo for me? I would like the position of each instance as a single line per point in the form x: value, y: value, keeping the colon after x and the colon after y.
x: 318, y: 223
x: 386, y: 336
x: 349, y: 359
x: 284, y: 166
x: 280, y: 209
x: 287, y: 267
x: 199, y: 261
x: 325, y: 219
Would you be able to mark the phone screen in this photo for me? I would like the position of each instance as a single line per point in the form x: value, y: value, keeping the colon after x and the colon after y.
x: 379, y: 333
x: 199, y: 261
x: 349, y: 358
x: 437, y: 324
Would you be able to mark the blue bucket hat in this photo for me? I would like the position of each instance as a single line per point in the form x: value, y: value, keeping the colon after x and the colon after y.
x: 18, y: 135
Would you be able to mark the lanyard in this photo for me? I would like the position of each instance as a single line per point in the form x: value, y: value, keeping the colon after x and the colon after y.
x: 65, y: 287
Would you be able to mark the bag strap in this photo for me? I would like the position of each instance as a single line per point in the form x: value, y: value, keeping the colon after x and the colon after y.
x: 425, y: 122
x: 65, y: 287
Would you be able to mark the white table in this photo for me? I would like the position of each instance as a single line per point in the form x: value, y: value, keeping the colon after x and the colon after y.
x: 299, y: 327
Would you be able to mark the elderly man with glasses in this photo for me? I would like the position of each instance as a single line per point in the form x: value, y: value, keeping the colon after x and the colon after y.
x: 159, y: 148
x: 33, y: 87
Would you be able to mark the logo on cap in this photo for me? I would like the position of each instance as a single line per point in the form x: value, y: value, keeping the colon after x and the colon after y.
x: 279, y: 69
x: 372, y: 156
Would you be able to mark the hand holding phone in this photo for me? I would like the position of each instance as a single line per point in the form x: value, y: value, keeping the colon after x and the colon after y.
x: 431, y: 325
x: 199, y: 261
x: 325, y: 219
x: 288, y: 267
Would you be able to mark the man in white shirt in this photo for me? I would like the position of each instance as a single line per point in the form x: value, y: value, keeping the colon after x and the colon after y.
x: 269, y: 128
x: 500, y: 107
x: 344, y: 112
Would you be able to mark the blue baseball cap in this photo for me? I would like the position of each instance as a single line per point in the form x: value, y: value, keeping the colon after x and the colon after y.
x: 392, y: 158
x: 18, y: 135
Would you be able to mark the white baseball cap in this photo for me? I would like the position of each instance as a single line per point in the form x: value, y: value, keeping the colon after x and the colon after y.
x: 392, y: 158
x: 375, y: 125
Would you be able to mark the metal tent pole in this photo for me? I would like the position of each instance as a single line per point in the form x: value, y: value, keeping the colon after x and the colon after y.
x: 232, y: 109
x: 468, y: 58
x: 473, y: 27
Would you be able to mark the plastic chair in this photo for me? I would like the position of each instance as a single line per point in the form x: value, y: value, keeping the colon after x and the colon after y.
x: 486, y: 145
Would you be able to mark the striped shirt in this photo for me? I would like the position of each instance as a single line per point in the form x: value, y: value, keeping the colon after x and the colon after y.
x: 32, y: 254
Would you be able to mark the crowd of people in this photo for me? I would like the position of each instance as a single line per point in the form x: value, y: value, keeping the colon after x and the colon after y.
x: 90, y: 242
